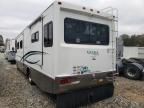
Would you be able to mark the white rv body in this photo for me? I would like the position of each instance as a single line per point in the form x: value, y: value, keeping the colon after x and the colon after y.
x: 62, y: 65
x: 10, y: 51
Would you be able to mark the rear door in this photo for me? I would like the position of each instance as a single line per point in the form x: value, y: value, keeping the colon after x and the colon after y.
x: 48, y: 44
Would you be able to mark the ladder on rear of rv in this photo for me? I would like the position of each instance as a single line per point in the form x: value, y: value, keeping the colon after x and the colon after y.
x: 114, y: 12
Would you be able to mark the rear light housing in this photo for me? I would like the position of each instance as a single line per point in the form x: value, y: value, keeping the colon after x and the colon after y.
x: 65, y: 81
x: 68, y: 81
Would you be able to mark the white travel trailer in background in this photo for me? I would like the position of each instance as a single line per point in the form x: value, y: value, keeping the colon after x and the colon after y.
x: 70, y: 48
x: 133, y: 52
x: 10, y: 51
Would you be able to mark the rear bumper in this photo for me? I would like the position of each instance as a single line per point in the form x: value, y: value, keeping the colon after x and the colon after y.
x: 83, y: 81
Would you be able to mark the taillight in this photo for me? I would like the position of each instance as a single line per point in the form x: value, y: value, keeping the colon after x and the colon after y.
x: 65, y: 81
x: 68, y: 81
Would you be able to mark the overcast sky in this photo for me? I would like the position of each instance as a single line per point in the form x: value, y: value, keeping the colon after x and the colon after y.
x: 15, y: 15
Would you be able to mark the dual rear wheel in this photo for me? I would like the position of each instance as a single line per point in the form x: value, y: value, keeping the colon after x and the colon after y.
x: 133, y: 71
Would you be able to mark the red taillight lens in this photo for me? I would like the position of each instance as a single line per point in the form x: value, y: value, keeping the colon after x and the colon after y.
x: 65, y: 81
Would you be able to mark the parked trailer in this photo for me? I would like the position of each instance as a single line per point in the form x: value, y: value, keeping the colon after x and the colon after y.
x: 10, y: 51
x: 70, y: 51
x: 131, y: 64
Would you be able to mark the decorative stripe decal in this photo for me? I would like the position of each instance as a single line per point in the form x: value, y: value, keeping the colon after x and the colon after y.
x: 32, y: 62
x: 27, y: 55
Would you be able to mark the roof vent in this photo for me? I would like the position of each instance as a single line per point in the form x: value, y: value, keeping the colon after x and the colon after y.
x: 91, y: 10
x: 84, y: 8
x: 98, y: 11
x: 59, y: 3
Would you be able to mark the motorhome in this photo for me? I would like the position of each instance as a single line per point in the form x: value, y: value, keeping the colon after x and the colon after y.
x: 10, y: 51
x: 69, y: 48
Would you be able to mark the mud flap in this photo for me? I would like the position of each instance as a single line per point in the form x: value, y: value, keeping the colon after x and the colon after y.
x: 83, y: 97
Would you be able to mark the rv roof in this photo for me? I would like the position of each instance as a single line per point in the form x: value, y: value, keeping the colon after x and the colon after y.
x: 75, y: 8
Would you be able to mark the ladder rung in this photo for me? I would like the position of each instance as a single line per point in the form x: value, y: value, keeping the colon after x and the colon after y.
x: 114, y: 31
x: 116, y: 17
x: 115, y: 20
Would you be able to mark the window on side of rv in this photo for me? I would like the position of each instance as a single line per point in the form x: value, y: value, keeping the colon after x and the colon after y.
x: 35, y: 37
x: 18, y: 45
x: 83, y: 32
x: 48, y: 34
x: 21, y: 44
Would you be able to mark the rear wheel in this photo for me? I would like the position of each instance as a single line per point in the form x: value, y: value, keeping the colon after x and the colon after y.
x: 30, y: 80
x: 29, y: 77
x: 13, y: 62
x: 133, y: 72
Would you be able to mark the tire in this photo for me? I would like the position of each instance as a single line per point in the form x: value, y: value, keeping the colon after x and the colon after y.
x: 13, y: 62
x: 30, y: 81
x: 133, y: 71
x: 29, y: 77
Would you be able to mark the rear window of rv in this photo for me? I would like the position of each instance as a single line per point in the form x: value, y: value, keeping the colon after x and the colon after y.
x: 83, y: 32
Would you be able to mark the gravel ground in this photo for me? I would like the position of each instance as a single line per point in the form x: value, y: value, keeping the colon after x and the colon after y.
x: 16, y: 92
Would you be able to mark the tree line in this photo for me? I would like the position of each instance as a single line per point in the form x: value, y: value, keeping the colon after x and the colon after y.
x: 1, y: 40
x: 133, y: 40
